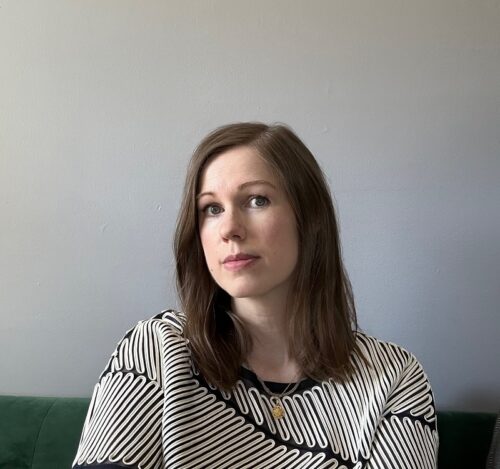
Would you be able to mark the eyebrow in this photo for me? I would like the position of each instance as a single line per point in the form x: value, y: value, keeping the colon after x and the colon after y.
x: 242, y: 186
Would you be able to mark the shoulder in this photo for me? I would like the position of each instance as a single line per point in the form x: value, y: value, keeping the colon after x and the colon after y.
x: 170, y: 319
x: 380, y: 353
x: 168, y: 322
x: 389, y: 365
x: 143, y: 346
x: 396, y: 374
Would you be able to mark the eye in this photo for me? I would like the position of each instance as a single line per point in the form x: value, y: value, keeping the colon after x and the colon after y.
x: 211, y: 210
x: 258, y: 201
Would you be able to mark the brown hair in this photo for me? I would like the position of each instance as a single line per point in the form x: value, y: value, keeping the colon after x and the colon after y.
x: 322, y: 317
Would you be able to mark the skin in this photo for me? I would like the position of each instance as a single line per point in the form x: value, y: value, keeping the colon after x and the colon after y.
x: 239, y: 215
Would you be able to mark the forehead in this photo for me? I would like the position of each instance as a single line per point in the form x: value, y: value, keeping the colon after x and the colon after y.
x: 233, y: 168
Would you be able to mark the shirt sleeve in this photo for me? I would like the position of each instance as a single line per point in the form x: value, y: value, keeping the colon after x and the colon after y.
x: 124, y: 420
x: 406, y: 436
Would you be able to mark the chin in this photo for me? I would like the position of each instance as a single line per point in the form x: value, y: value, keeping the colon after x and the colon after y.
x: 242, y: 292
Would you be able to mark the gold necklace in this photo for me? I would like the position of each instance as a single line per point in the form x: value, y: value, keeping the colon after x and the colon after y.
x: 278, y: 410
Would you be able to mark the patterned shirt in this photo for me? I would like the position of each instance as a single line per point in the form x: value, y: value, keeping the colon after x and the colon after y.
x: 151, y: 409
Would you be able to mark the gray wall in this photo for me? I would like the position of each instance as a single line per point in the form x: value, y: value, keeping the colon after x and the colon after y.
x: 102, y: 103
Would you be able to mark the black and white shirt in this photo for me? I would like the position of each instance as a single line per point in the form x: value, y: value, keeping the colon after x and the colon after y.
x: 151, y: 409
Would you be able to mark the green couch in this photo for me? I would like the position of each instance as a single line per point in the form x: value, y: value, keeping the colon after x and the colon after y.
x: 43, y: 433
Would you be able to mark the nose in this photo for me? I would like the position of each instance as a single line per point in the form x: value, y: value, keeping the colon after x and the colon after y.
x: 232, y: 226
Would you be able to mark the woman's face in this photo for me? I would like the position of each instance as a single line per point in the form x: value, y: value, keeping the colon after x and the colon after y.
x: 247, y: 226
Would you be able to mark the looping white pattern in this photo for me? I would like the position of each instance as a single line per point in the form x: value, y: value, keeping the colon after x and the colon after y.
x: 151, y: 409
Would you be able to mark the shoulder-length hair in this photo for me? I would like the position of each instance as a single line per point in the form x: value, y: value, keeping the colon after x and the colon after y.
x: 322, y: 322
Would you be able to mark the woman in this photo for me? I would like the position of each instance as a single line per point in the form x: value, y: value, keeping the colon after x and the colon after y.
x: 265, y: 367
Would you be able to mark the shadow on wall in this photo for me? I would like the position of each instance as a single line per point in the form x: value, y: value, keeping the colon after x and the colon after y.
x: 479, y: 400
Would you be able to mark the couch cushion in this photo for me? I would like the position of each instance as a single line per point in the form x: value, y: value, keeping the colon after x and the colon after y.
x: 60, y: 433
x: 19, y: 428
x: 464, y: 439
x: 40, y: 432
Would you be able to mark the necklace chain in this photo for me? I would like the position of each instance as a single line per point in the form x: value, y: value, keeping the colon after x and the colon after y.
x: 277, y: 410
x: 284, y: 393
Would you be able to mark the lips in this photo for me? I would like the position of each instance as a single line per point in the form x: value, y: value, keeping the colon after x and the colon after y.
x: 239, y: 261
x: 239, y: 257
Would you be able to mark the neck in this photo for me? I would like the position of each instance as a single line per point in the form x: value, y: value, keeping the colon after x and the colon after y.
x: 266, y: 323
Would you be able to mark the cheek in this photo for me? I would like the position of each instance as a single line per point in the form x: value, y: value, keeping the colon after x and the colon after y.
x: 283, y: 236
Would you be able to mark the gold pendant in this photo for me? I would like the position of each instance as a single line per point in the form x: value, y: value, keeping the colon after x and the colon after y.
x: 278, y: 411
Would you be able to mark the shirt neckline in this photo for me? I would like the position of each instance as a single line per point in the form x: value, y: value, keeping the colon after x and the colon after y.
x: 250, y: 379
